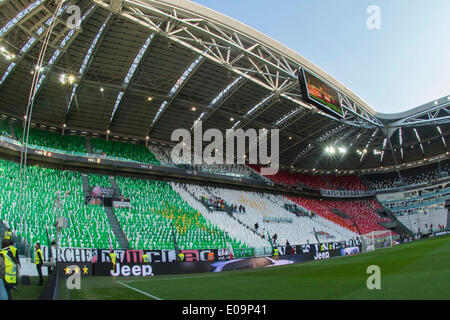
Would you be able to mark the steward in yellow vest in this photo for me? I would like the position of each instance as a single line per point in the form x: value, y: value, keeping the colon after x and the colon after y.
x: 9, y: 262
x: 145, y: 258
x: 181, y: 257
x: 39, y: 260
x: 113, y: 258
x: 8, y: 234
x: 275, y: 252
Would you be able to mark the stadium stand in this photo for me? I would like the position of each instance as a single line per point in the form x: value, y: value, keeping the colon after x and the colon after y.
x: 155, y: 208
x: 88, y: 226
x: 135, y: 152
x: 267, y: 211
x: 98, y: 180
x: 425, y: 221
x: 412, y: 177
x: 328, y: 182
x: 421, y: 209
x: 163, y: 154
x: 4, y: 128
x: 54, y: 140
x: 359, y: 211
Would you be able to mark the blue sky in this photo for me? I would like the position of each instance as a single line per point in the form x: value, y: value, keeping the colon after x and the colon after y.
x: 403, y: 65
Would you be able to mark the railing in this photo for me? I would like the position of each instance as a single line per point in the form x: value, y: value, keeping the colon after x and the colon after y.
x: 347, y: 193
x: 423, y: 196
x: 115, y: 158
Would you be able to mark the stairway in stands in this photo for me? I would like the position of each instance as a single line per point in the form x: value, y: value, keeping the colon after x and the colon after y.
x: 88, y: 145
x: 112, y: 219
x: 115, y: 227
x: 248, y: 227
x: 340, y: 213
x: 85, y: 180
x: 196, y: 198
x: 117, y: 193
x: 13, y: 132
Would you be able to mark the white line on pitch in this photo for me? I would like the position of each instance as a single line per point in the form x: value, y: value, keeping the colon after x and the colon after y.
x: 137, y: 290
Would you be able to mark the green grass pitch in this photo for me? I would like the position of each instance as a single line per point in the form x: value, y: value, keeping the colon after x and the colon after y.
x: 418, y: 270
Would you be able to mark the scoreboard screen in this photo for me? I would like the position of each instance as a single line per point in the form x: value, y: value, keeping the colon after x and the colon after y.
x: 320, y: 93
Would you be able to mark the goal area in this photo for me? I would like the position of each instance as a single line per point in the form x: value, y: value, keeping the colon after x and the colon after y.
x: 378, y: 239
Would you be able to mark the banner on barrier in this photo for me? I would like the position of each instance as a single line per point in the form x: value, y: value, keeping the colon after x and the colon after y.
x: 85, y: 255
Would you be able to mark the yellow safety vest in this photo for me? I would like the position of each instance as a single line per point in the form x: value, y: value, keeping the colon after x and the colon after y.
x: 8, y: 235
x: 13, y: 250
x: 10, y: 268
x: 36, y: 257
x: 113, y: 258
x: 145, y: 258
x: 181, y: 256
x: 275, y: 252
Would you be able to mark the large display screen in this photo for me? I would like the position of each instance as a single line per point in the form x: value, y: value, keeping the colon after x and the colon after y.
x: 320, y: 93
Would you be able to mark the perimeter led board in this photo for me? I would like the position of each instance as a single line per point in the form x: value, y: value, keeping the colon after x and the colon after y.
x: 320, y: 93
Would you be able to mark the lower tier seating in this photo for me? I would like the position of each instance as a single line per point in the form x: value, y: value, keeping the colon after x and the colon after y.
x: 87, y: 227
x: 426, y: 221
x: 155, y: 208
x: 268, y: 213
x: 361, y: 212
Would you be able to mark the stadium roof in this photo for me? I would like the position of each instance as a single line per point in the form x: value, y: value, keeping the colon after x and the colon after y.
x: 144, y: 68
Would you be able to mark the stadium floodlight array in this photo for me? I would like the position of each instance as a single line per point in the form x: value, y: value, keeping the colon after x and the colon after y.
x: 61, y: 47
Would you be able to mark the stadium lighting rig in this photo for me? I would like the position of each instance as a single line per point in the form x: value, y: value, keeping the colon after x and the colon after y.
x: 7, y: 54
x: 361, y: 152
x: 67, y: 78
x: 331, y: 150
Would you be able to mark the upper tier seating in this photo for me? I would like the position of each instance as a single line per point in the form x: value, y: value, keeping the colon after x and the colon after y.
x: 88, y: 226
x: 53, y: 140
x: 163, y: 154
x: 136, y: 152
x: 4, y: 128
x: 412, y: 177
x: 327, y: 182
x: 155, y: 207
